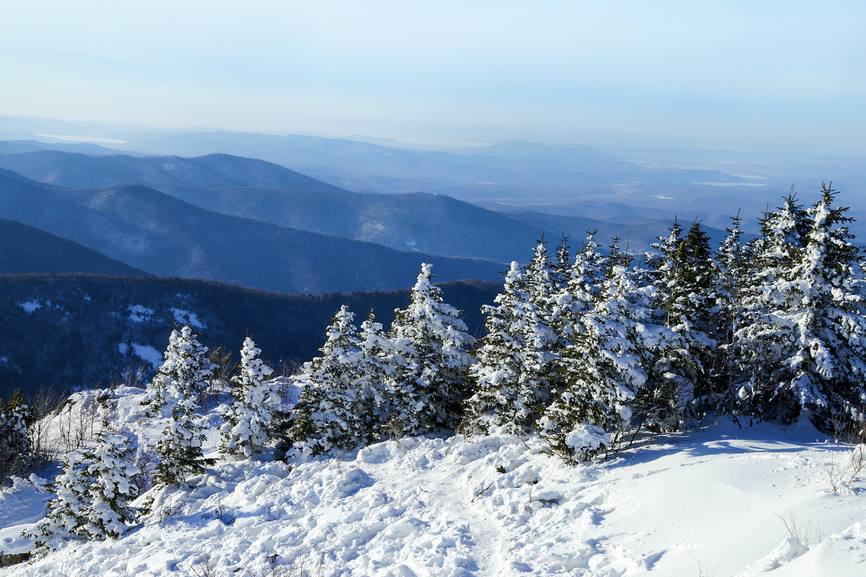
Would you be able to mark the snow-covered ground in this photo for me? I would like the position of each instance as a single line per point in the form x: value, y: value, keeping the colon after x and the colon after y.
x: 720, y: 502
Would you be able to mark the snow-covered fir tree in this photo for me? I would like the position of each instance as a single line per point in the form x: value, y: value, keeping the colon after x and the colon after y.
x: 329, y: 413
x: 15, y: 445
x: 542, y: 343
x: 766, y: 338
x: 110, y: 470
x: 376, y: 373
x: 69, y: 511
x: 812, y: 324
x: 246, y: 429
x: 498, y: 400
x: 581, y: 289
x: 679, y: 276
x: 602, y: 373
x: 696, y: 282
x: 563, y: 264
x: 586, y: 276
x: 432, y: 359
x: 184, y: 374
x: 180, y: 446
x: 732, y: 265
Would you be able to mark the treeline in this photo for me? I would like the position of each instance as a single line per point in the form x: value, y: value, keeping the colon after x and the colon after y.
x: 588, y: 349
x: 585, y: 350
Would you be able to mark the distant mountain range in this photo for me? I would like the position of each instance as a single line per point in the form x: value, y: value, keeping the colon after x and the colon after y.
x: 162, y: 235
x: 429, y: 223
x: 26, y: 250
x: 509, y: 170
x: 82, y: 330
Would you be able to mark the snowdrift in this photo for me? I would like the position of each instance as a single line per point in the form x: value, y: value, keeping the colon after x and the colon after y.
x: 719, y: 502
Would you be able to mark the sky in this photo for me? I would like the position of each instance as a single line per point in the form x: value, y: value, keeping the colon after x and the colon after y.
x: 736, y: 74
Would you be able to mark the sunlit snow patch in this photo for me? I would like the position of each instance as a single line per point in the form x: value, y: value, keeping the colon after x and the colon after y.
x: 146, y: 353
x: 30, y: 306
x: 185, y: 317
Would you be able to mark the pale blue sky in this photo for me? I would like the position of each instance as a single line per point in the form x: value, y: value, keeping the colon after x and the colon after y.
x: 694, y: 73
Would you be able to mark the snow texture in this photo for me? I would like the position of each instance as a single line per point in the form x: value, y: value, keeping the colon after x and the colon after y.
x: 31, y: 306
x: 705, y: 503
x: 185, y: 317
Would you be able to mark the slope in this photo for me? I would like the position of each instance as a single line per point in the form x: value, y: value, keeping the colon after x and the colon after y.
x: 168, y: 237
x: 30, y: 250
x: 713, y: 502
x: 86, y: 330
x: 251, y: 188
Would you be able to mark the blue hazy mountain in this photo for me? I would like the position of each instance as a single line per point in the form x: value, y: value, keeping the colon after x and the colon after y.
x: 250, y: 188
x: 162, y: 235
x: 30, y: 250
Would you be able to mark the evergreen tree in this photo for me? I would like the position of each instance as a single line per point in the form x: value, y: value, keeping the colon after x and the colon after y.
x: 110, y: 471
x: 431, y: 353
x: 185, y: 373
x: 696, y: 282
x: 539, y: 364
x: 328, y: 415
x: 811, y: 324
x: 563, y: 264
x: 69, y: 511
x: 247, y: 421
x: 679, y: 276
x: 498, y: 401
x: 733, y: 266
x: 602, y: 373
x: 15, y: 445
x: 765, y: 338
x: 376, y: 371
x: 585, y: 277
x: 180, y: 447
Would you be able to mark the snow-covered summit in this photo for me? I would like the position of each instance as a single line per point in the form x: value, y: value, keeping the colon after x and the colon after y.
x: 723, y: 501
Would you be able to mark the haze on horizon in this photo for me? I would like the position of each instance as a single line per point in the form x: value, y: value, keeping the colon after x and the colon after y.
x: 732, y: 74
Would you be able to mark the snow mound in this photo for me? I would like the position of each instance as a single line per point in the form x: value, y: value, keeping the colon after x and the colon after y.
x: 709, y: 502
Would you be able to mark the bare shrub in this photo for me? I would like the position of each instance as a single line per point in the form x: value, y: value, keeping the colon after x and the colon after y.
x: 204, y: 566
x: 842, y: 473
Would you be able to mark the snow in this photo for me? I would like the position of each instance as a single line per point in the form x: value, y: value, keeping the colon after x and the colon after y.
x: 146, y: 353
x: 30, y: 306
x: 140, y: 313
x: 587, y: 436
x: 715, y: 502
x: 185, y: 317
x: 21, y: 503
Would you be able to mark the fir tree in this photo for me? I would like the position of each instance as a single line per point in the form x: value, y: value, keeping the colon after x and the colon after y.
x: 185, y: 373
x: 602, y: 372
x: 539, y: 364
x: 15, y: 445
x: 695, y: 283
x: 376, y: 371
x: 247, y: 421
x: 733, y: 266
x: 328, y: 415
x: 585, y: 277
x: 69, y: 511
x: 498, y: 400
x: 679, y: 276
x: 811, y: 325
x: 110, y: 471
x: 563, y: 264
x: 765, y: 338
x: 431, y: 353
x: 180, y: 447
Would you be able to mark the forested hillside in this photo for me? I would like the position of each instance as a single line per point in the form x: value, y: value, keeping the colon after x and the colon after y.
x: 84, y: 330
